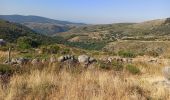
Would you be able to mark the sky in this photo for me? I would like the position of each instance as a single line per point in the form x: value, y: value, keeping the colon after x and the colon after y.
x: 89, y: 11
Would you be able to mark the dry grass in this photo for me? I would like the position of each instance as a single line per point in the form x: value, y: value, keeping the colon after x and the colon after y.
x: 87, y: 85
x: 50, y: 83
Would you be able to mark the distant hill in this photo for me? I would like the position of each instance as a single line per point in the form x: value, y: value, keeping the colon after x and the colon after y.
x: 10, y: 32
x: 41, y: 24
x: 111, y: 32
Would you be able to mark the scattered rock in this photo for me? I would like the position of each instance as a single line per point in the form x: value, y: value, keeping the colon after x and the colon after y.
x: 65, y: 58
x: 92, y: 60
x: 83, y: 59
x: 53, y: 59
x: 22, y: 61
x: 61, y: 59
x: 166, y: 73
x: 86, y: 60
x: 35, y: 61
x: 44, y: 61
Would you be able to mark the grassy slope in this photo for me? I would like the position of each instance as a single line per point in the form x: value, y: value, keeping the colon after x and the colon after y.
x: 48, y: 82
x: 159, y: 27
x: 12, y: 31
x: 41, y: 24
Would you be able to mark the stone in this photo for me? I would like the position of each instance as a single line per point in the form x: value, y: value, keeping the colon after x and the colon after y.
x: 61, y: 59
x: 166, y: 73
x: 83, y: 59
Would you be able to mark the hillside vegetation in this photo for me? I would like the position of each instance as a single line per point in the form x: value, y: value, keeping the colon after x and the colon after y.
x: 10, y: 32
x: 41, y: 25
x: 154, y: 29
x: 102, y: 62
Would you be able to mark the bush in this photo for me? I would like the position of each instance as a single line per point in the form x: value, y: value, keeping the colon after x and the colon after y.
x: 26, y: 43
x: 133, y: 69
x: 103, y: 65
x: 65, y: 51
x: 127, y: 54
x: 53, y: 49
x: 5, y: 69
x: 108, y: 66
x: 117, y: 66
x: 87, y: 45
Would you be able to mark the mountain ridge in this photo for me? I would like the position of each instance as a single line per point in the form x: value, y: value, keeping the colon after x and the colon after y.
x: 40, y: 24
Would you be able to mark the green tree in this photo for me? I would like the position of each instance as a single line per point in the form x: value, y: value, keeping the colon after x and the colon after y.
x: 26, y: 43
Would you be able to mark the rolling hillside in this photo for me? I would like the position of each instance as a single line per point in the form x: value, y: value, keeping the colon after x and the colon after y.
x: 12, y: 31
x: 154, y: 28
x: 41, y: 24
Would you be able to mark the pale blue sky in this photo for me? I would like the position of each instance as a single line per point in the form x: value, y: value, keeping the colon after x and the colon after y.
x: 89, y: 11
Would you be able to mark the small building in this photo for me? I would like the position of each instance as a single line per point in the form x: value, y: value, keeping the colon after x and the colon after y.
x: 2, y: 42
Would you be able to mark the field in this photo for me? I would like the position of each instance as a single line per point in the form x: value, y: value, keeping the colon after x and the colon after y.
x: 50, y: 82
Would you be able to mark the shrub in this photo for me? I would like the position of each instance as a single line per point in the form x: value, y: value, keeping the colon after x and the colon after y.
x: 110, y: 66
x: 103, y: 65
x: 127, y: 54
x: 26, y: 43
x: 5, y: 69
x: 53, y: 49
x: 117, y: 66
x: 44, y: 49
x: 87, y: 45
x: 65, y: 51
x: 133, y: 69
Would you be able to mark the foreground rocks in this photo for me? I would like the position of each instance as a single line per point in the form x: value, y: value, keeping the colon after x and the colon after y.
x: 84, y: 60
x: 166, y: 73
x: 66, y: 57
x: 20, y: 61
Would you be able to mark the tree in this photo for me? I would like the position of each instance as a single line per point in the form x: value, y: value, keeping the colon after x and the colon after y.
x: 26, y: 43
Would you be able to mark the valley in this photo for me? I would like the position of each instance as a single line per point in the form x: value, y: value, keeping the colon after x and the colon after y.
x: 59, y: 60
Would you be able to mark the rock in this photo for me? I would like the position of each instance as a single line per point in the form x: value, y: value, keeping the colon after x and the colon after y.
x: 65, y: 58
x: 61, y: 59
x: 68, y: 56
x: 13, y: 61
x: 53, y: 59
x: 22, y: 61
x: 35, y: 61
x: 83, y: 59
x: 110, y: 59
x: 6, y: 62
x: 91, y: 60
x: 44, y: 61
x: 166, y: 73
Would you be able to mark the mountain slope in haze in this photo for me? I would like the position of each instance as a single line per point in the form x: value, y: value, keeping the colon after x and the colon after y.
x: 160, y: 27
x: 36, y: 19
x: 41, y: 24
x: 10, y: 32
x: 47, y: 28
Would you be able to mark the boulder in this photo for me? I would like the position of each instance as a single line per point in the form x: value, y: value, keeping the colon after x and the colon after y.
x: 65, y: 58
x: 166, y: 72
x: 61, y: 59
x: 83, y: 59
x: 92, y: 60
x: 13, y: 61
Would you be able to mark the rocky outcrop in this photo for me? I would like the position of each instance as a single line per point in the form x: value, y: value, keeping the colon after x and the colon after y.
x: 85, y: 60
x: 65, y: 58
